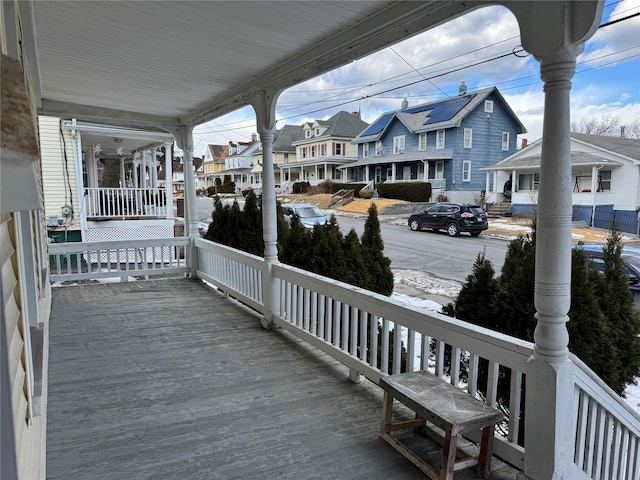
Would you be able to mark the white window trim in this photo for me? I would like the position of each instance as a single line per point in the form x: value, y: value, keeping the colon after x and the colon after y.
x: 488, y: 106
x: 440, y: 139
x: 365, y: 150
x: 422, y: 141
x: 505, y: 141
x: 468, y: 138
x: 379, y: 148
x: 398, y: 144
x: 466, y: 171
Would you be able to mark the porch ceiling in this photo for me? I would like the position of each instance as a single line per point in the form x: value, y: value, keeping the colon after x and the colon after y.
x: 186, y: 62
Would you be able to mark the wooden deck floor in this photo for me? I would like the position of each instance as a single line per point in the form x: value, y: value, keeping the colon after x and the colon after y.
x: 166, y: 379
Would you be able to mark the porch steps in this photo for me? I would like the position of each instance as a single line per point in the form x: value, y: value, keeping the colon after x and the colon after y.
x: 499, y: 209
x: 342, y: 197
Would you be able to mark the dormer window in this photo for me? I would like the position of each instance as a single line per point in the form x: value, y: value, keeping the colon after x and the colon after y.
x: 307, y: 134
x: 317, y: 132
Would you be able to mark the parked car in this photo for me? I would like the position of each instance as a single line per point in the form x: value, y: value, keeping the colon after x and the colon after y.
x: 631, y: 258
x: 452, y: 217
x: 308, y: 214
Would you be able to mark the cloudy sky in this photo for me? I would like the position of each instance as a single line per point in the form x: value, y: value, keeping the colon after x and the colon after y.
x: 431, y: 66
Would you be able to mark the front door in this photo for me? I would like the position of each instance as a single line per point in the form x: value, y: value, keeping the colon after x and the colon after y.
x: 406, y: 173
x: 378, y: 177
x: 439, y: 170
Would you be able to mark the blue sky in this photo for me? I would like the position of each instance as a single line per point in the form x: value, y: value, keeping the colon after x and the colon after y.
x: 431, y: 65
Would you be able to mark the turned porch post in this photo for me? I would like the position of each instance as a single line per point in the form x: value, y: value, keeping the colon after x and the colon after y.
x: 265, y: 107
x: 185, y: 143
x: 168, y: 177
x: 554, y: 32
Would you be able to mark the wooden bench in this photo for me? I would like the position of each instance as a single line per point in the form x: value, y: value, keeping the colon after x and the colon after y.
x: 445, y: 406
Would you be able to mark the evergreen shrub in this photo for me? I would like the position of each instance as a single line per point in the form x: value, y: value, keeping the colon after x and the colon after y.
x: 409, y: 191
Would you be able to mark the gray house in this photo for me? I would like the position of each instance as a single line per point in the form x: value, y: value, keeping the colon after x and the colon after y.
x: 445, y: 142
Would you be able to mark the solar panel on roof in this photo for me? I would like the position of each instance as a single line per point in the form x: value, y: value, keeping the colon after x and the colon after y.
x: 447, y: 109
x: 377, y: 126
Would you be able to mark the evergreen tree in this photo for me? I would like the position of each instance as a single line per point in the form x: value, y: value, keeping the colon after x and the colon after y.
x: 514, y: 308
x: 589, y: 336
x: 480, y: 284
x: 623, y: 319
x: 378, y: 266
x: 251, y: 238
x: 355, y: 272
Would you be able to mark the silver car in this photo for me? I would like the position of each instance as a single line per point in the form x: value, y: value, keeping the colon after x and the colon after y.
x: 308, y: 214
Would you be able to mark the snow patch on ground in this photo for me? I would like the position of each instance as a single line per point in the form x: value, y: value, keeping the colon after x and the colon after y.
x: 426, y: 283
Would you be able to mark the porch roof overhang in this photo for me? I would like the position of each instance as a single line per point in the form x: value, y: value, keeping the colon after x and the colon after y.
x: 120, y: 62
x: 401, y: 158
x: 532, y: 162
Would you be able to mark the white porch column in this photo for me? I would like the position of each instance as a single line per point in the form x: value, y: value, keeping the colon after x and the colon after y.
x: 425, y: 165
x: 123, y: 176
x: 265, y: 108
x: 154, y: 168
x: 185, y: 142
x: 594, y: 190
x: 136, y: 174
x: 393, y: 173
x: 168, y: 175
x: 554, y: 32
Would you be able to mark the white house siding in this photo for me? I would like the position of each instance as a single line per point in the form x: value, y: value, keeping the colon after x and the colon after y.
x: 54, y: 172
x: 29, y: 430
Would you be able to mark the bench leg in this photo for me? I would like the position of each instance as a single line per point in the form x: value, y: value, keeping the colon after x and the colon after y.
x: 387, y: 410
x: 449, y: 449
x: 486, y: 452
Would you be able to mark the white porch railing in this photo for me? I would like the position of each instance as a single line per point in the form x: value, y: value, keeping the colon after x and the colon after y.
x: 362, y: 330
x: 75, y: 261
x: 125, y: 202
x: 355, y: 327
x: 530, y: 197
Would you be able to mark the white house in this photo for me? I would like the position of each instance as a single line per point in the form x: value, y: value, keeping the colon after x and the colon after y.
x: 100, y: 181
x: 606, y: 180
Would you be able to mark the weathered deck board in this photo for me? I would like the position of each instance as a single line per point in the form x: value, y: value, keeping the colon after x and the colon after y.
x: 166, y: 379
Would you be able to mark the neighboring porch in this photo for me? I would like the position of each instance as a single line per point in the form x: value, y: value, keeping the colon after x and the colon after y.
x: 168, y: 379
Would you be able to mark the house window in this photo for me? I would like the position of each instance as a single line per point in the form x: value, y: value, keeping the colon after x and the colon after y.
x: 466, y: 171
x: 422, y: 141
x: 320, y: 173
x: 339, y: 149
x: 317, y: 132
x: 303, y: 152
x: 440, y: 139
x: 379, y: 148
x: 323, y: 149
x: 488, y: 106
x: 365, y: 150
x: 338, y: 174
x: 307, y: 134
x: 468, y: 137
x: 313, y: 150
x: 528, y: 181
x: 505, y: 141
x: 398, y: 144
x: 604, y: 181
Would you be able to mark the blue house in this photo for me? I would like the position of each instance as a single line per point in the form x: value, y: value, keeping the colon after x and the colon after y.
x: 445, y: 142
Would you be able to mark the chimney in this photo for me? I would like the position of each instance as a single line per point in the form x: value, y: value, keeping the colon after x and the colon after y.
x: 405, y: 103
x: 524, y: 143
x: 462, y: 89
x: 622, y: 131
x: 356, y: 114
x: 254, y: 137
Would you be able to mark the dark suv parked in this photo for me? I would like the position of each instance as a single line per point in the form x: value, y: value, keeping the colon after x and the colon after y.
x: 452, y: 217
x: 630, y: 257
